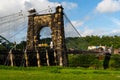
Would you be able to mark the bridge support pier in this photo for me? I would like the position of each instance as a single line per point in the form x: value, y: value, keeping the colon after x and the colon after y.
x: 38, y: 59
x: 55, y: 57
x: 26, y: 58
x: 47, y: 57
x: 56, y: 23
x: 11, y: 58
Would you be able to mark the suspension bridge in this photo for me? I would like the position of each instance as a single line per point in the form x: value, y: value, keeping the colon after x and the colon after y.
x: 46, y: 34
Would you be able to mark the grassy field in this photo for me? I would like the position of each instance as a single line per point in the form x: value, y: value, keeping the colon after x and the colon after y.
x: 56, y: 73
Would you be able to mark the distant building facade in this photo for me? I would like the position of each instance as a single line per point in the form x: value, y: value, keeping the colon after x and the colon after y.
x: 96, y: 47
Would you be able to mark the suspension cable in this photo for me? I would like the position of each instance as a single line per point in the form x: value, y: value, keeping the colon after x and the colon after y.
x: 72, y: 25
x: 18, y: 31
x: 86, y: 43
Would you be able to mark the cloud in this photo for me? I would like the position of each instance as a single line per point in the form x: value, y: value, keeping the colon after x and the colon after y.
x: 69, y: 5
x: 13, y: 6
x: 86, y: 32
x: 114, y: 32
x: 10, y: 6
x: 116, y: 21
x: 39, y: 4
x: 108, y: 6
x: 28, y: 5
x: 70, y: 30
x: 89, y: 32
x: 99, y: 32
x: 71, y: 27
x: 77, y: 23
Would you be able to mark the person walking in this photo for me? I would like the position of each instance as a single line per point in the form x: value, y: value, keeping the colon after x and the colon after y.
x: 107, y: 58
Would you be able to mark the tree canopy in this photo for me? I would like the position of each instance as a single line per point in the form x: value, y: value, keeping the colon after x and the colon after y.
x: 82, y: 42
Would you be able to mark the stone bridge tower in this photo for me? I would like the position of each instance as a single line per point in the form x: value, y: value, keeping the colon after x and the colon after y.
x: 56, y: 23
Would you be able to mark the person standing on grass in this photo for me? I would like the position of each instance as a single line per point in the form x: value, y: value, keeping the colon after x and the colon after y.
x: 107, y: 58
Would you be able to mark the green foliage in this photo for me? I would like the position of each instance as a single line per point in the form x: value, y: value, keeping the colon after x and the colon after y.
x: 86, y: 61
x: 21, y: 45
x: 97, y: 64
x: 76, y: 43
x: 2, y: 47
x: 46, y: 40
x: 115, y: 61
x: 104, y: 40
x: 82, y: 60
x: 82, y: 42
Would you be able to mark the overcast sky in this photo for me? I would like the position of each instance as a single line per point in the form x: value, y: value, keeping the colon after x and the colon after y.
x: 90, y: 17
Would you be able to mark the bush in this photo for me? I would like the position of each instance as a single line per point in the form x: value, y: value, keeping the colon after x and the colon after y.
x: 115, y: 61
x: 83, y: 60
x: 2, y: 47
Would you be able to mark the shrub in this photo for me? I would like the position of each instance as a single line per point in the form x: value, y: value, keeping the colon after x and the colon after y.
x: 2, y: 47
x: 115, y: 61
x: 83, y: 60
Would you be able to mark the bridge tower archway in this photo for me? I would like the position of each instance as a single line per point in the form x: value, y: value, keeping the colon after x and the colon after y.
x: 56, y: 23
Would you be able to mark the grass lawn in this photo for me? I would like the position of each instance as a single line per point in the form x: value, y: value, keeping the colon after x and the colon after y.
x: 56, y: 73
